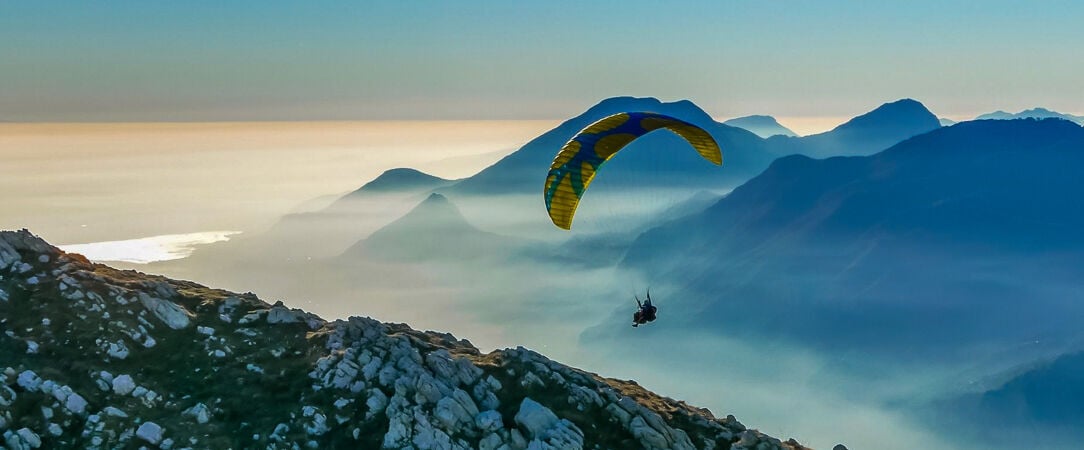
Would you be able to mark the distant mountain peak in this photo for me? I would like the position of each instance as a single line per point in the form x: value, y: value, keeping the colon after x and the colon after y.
x: 763, y: 126
x: 1033, y: 113
x: 868, y: 133
x: 684, y: 108
x: 435, y: 229
x: 436, y: 208
x: 402, y: 179
x: 893, y: 114
x: 436, y: 197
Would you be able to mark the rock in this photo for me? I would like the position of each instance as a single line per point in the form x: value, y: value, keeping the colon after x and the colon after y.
x: 747, y: 439
x: 489, y: 421
x: 647, y: 435
x: 251, y: 317
x: 150, y: 432
x: 450, y: 413
x: 123, y: 385
x: 492, y: 441
x: 429, y: 390
x: 318, y: 425
x: 29, y: 437
x: 535, y: 418
x: 29, y: 380
x: 7, y: 396
x: 200, y: 412
x: 345, y: 373
x: 280, y: 314
x: 76, y: 404
x: 113, y: 412
x: 279, y: 432
x: 400, y: 423
x: 376, y: 402
x: 531, y: 380
x: 117, y: 350
x: 172, y: 314
x: 622, y: 416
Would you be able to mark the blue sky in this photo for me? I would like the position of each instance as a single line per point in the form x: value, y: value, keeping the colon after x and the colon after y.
x: 256, y: 60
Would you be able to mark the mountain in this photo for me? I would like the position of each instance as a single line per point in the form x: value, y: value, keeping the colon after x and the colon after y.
x: 384, y: 196
x: 326, y: 231
x: 661, y: 154
x: 1044, y: 403
x: 94, y: 357
x: 1034, y: 113
x: 664, y: 160
x: 946, y: 122
x: 401, y: 180
x: 513, y: 184
x: 866, y: 134
x: 434, y: 230
x: 763, y: 126
x: 1052, y: 394
x: 354, y: 215
x: 895, y: 253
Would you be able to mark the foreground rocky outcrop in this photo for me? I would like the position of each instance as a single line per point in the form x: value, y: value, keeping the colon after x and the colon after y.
x: 93, y: 357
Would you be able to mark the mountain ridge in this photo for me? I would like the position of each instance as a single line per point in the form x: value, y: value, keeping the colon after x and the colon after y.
x: 935, y: 200
x: 1033, y: 113
x: 868, y: 133
x: 761, y: 125
x: 184, y: 365
x: 422, y: 234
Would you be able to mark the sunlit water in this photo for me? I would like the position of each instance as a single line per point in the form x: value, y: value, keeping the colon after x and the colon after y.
x: 146, y: 250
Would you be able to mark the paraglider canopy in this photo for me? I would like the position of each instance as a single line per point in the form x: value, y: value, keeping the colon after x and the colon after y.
x: 577, y: 162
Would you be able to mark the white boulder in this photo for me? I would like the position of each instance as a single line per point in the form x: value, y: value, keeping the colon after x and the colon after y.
x: 172, y: 314
x: 280, y: 314
x: 117, y: 350
x: 150, y: 432
x: 75, y: 403
x: 29, y: 380
x: 534, y: 417
x: 200, y: 412
x: 123, y: 385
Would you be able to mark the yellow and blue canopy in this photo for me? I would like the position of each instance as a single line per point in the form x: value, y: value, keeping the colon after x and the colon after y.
x: 578, y: 161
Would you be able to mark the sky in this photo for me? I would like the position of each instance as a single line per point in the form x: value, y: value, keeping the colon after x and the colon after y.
x: 271, y: 60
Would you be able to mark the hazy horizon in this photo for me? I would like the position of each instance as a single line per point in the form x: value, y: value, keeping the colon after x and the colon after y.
x: 86, y: 183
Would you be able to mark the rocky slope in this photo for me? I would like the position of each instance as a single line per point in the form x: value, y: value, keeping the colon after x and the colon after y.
x: 93, y: 357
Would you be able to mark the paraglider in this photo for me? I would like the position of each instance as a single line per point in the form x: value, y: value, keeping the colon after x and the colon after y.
x: 646, y: 313
x: 578, y: 160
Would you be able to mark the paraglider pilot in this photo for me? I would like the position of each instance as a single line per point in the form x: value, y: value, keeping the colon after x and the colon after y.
x: 646, y: 313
